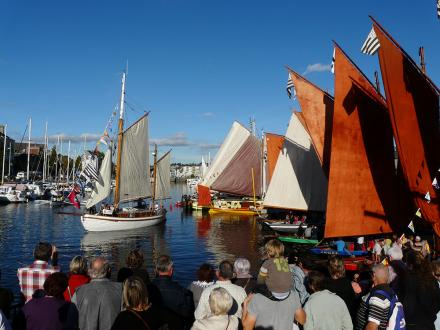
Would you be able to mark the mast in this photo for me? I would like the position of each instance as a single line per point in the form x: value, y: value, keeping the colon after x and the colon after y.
x: 4, y: 154
x: 56, y: 158
x: 120, y: 129
x: 422, y: 59
x: 154, y: 172
x: 253, y: 185
x: 68, y: 163
x: 45, y: 154
x: 29, y: 149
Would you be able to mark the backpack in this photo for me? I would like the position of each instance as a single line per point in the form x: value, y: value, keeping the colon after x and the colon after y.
x: 396, y: 316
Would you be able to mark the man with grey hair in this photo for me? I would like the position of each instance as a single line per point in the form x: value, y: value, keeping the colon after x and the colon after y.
x: 242, y: 278
x: 98, y: 302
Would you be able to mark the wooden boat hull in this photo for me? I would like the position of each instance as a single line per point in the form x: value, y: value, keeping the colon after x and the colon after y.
x: 285, y: 227
x: 214, y: 210
x: 96, y: 222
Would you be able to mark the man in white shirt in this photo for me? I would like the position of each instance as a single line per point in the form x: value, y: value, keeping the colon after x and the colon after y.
x: 224, y: 274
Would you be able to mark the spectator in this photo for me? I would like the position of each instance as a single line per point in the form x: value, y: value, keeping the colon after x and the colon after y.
x: 135, y: 263
x: 4, y: 323
x: 276, y: 312
x: 421, y: 298
x: 51, y: 311
x: 220, y: 302
x: 374, y: 311
x: 172, y: 296
x: 324, y: 309
x: 205, y: 278
x: 276, y: 268
x: 32, y: 277
x: 139, y: 314
x: 77, y: 277
x: 224, y: 275
x: 99, y: 301
x: 397, y: 271
x: 436, y: 272
x: 377, y: 250
x: 299, y: 269
x: 340, y: 284
x: 242, y: 278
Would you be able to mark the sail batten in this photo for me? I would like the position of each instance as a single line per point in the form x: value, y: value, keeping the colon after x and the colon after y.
x: 298, y: 181
x: 102, y: 187
x: 162, y: 180
x: 135, y: 166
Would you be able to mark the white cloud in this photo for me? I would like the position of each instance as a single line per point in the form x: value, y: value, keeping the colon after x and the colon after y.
x: 179, y: 139
x: 90, y: 137
x: 208, y: 114
x: 317, y: 67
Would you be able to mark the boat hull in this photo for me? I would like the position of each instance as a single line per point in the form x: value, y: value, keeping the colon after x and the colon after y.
x: 285, y: 227
x: 95, y: 222
x: 214, y: 210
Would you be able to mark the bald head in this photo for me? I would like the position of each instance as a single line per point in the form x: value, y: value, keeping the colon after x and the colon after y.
x: 381, y: 275
x: 99, y: 268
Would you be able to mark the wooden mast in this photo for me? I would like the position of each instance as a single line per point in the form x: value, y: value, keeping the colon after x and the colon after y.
x: 154, y: 173
x: 120, y: 129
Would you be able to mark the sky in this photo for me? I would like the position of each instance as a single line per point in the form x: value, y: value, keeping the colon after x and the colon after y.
x: 196, y: 65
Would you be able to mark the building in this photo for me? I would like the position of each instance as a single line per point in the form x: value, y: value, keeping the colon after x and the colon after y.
x: 22, y: 148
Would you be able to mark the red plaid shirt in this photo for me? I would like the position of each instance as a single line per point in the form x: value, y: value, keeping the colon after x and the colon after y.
x: 32, y: 278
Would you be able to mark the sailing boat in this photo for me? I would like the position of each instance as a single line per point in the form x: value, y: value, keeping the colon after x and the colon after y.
x: 132, y: 181
x: 235, y: 170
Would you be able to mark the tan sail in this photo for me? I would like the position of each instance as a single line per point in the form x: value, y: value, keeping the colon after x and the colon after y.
x: 298, y: 181
x: 274, y: 144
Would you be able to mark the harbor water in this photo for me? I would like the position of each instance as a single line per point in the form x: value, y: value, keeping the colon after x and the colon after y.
x: 190, y: 237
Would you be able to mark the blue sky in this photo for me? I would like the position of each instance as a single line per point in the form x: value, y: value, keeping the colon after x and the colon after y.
x: 196, y: 65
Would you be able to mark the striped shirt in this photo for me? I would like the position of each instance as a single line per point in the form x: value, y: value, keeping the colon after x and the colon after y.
x: 374, y: 308
x: 32, y: 277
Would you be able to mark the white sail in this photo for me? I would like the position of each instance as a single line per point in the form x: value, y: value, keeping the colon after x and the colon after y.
x: 102, y: 187
x: 203, y: 168
x: 298, y: 181
x: 135, y: 163
x: 236, y: 137
x: 163, y: 177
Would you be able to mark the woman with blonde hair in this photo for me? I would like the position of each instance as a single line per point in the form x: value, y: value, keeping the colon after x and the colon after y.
x: 220, y: 302
x: 138, y: 312
x: 77, y: 276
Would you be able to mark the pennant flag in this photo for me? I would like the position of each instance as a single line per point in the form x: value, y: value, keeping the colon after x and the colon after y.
x: 90, y: 172
x: 371, y: 44
x: 411, y: 226
x: 435, y: 184
x: 332, y: 66
x: 72, y: 198
x: 289, y: 87
x: 418, y: 213
x: 385, y: 262
x: 428, y: 197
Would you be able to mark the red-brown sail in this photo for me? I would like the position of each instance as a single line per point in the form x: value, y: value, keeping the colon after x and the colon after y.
x: 316, y: 115
x: 204, y: 195
x: 362, y: 181
x: 413, y: 104
x: 274, y: 144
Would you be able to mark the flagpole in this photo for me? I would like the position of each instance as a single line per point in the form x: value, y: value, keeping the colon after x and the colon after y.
x: 4, y: 154
x: 120, y: 137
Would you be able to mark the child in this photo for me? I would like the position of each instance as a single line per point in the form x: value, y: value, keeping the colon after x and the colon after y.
x: 275, y: 271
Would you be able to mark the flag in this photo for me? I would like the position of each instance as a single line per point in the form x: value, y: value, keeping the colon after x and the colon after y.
x: 289, y: 87
x: 435, y: 184
x: 418, y: 213
x: 72, y: 198
x: 90, y: 172
x: 385, y: 262
x: 371, y: 44
x: 438, y: 9
x: 428, y: 197
x: 411, y: 226
x: 332, y: 66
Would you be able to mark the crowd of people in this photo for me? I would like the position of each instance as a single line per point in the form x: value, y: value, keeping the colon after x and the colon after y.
x: 292, y: 292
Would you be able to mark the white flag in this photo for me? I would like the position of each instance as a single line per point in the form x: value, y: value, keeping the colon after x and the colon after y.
x: 371, y: 44
x: 428, y: 197
x: 411, y: 226
x: 332, y: 67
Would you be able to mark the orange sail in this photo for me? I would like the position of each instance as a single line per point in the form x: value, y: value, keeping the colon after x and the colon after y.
x: 274, y: 144
x: 413, y: 104
x: 362, y: 182
x: 316, y: 115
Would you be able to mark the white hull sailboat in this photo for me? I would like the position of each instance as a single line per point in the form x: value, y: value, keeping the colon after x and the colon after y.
x: 132, y: 181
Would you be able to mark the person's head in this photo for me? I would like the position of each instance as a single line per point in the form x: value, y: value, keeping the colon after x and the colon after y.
x: 220, y: 301
x: 43, y: 251
x: 436, y: 269
x: 380, y: 274
x: 225, y: 271
x: 99, y: 268
x: 164, y: 265
x: 336, y: 267
x: 205, y: 273
x: 55, y: 285
x: 78, y: 265
x: 134, y: 293
x: 242, y: 267
x: 418, y: 239
x: 395, y: 253
x: 135, y: 259
x: 274, y: 248
x: 316, y: 281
